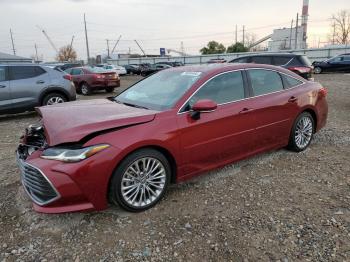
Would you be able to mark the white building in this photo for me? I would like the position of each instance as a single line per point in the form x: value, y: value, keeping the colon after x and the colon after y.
x: 284, y: 39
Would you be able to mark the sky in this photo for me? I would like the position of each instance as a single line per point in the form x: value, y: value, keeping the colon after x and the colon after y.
x: 154, y: 23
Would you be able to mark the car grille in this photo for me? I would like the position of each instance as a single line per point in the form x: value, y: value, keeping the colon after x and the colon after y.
x: 37, y: 185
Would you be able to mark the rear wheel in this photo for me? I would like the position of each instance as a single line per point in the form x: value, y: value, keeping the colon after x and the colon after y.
x: 109, y: 89
x: 302, y: 132
x: 317, y: 70
x: 140, y: 180
x: 53, y: 98
x: 85, y: 89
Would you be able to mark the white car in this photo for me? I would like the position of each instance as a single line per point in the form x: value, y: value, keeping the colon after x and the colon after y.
x: 114, y: 68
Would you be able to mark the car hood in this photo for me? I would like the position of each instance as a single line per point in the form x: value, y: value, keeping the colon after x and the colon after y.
x: 71, y: 122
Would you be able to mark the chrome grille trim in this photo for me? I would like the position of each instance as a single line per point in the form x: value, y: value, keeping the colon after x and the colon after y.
x: 38, y: 187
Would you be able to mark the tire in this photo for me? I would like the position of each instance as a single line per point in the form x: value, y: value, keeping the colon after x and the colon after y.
x: 317, y: 70
x: 85, y: 89
x: 127, y: 187
x: 109, y: 89
x: 53, y: 98
x: 305, y: 124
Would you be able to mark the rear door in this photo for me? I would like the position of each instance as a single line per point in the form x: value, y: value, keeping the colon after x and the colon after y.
x: 220, y: 136
x: 26, y: 84
x: 5, y: 96
x: 77, y: 74
x: 275, y: 108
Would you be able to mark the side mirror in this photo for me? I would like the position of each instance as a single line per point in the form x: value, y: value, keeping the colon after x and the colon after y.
x: 202, y: 106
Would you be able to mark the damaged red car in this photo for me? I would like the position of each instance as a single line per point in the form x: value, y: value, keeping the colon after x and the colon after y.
x: 167, y: 128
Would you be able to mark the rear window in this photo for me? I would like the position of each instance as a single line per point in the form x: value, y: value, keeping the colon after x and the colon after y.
x: 24, y: 72
x: 240, y: 60
x: 262, y: 60
x: 300, y: 61
x: 265, y: 81
x: 281, y: 60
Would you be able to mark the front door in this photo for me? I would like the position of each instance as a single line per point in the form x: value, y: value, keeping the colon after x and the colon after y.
x: 223, y: 135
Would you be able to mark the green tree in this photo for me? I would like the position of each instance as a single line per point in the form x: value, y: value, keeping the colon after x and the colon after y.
x: 236, y: 48
x: 213, y: 47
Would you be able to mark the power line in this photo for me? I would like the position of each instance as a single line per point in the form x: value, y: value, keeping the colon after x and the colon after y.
x: 13, y: 45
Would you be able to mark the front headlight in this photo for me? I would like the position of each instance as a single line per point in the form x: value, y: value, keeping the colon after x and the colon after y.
x: 71, y: 155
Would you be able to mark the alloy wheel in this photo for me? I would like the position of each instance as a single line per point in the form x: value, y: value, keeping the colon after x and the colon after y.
x: 84, y: 89
x: 317, y: 70
x: 55, y: 100
x: 303, y: 132
x: 143, y: 182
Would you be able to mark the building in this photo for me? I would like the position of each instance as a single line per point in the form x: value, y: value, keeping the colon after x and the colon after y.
x: 284, y: 39
x: 7, y: 58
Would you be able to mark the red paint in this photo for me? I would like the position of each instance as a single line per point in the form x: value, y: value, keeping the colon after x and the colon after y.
x: 231, y: 132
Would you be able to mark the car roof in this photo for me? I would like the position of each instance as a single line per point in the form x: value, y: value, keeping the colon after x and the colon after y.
x: 222, y: 67
x: 270, y: 54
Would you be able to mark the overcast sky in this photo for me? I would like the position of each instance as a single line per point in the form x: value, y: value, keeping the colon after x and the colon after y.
x: 154, y: 23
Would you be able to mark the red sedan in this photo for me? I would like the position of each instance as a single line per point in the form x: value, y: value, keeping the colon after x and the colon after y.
x: 89, y: 79
x: 167, y: 128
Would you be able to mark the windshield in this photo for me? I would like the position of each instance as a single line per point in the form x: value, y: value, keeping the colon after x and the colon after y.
x: 159, y: 91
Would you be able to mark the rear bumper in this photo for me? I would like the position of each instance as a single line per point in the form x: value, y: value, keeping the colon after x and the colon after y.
x: 105, y: 83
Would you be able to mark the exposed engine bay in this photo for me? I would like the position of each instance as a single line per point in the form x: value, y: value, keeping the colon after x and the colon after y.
x: 32, y: 140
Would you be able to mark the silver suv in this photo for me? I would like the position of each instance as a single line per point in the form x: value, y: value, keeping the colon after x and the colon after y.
x: 25, y: 86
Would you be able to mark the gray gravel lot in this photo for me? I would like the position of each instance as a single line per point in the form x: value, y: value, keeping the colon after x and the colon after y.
x: 277, y: 206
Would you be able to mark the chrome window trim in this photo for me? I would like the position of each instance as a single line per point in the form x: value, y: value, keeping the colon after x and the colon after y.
x: 246, y: 69
x: 22, y: 162
x: 226, y: 72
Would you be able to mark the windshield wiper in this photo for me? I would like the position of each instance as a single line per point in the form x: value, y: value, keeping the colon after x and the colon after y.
x: 129, y: 104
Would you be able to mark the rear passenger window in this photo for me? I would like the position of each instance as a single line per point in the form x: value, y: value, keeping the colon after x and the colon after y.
x: 291, y: 82
x: 3, y: 74
x: 224, y: 88
x: 24, y: 72
x: 265, y: 81
x: 281, y: 60
x: 262, y: 60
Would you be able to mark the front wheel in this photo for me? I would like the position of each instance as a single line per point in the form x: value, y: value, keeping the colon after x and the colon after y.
x: 302, y: 132
x: 317, y: 70
x: 140, y: 180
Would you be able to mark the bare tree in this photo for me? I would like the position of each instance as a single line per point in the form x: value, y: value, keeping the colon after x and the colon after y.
x: 341, y: 27
x: 66, y: 53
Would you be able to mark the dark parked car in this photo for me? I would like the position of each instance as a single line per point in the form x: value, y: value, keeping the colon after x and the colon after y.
x: 298, y: 64
x: 172, y: 64
x: 88, y: 79
x: 132, y: 69
x: 167, y: 128
x: 340, y: 63
x: 153, y: 69
x: 25, y: 86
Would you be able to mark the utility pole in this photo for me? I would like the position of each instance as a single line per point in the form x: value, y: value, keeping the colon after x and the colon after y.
x: 236, y: 35
x: 87, y: 42
x: 243, y: 34
x: 13, y: 45
x: 36, y: 53
x: 296, y: 32
x: 107, y: 41
x: 333, y: 38
x: 291, y: 35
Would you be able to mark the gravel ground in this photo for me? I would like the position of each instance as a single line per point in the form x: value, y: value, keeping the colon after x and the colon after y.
x: 277, y: 206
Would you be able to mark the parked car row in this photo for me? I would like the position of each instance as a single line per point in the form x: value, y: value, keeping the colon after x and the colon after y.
x: 340, y: 63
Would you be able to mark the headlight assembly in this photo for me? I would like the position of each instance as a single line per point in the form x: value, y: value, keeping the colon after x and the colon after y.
x: 72, y: 155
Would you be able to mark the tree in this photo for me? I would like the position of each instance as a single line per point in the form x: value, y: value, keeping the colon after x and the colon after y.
x: 236, y: 48
x: 341, y: 27
x: 66, y: 53
x: 213, y: 47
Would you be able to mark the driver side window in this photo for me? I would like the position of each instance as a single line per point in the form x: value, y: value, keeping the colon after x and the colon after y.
x: 224, y: 88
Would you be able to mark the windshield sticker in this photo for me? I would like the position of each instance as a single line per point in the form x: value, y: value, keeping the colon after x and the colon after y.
x: 191, y: 74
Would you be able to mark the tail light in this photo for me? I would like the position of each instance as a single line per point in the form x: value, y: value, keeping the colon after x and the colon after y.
x: 68, y: 77
x: 322, y: 92
x: 300, y: 69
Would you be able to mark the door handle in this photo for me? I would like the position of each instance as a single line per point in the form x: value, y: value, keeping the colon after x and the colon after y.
x: 1, y: 86
x: 40, y: 82
x: 245, y: 110
x: 292, y: 99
